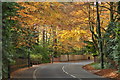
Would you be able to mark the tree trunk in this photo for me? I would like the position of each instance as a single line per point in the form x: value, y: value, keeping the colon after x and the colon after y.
x: 55, y: 40
x: 111, y: 12
x: 29, y: 59
x: 100, y: 46
x: 92, y: 28
x: 46, y: 36
x: 43, y: 36
x: 68, y: 56
x: 9, y: 71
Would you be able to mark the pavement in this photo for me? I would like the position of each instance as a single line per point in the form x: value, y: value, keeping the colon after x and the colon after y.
x: 58, y: 71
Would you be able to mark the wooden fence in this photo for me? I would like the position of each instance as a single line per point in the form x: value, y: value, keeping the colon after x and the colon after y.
x: 19, y: 63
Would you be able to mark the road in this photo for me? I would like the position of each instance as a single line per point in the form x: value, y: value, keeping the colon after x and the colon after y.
x: 58, y: 71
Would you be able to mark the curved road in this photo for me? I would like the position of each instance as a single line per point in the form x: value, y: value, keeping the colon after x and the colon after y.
x: 59, y: 71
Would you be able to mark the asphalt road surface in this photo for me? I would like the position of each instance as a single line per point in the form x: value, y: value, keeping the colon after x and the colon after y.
x: 58, y: 71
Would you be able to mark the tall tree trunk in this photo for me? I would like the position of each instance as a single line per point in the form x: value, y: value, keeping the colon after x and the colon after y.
x: 100, y: 46
x: 50, y: 36
x: 55, y: 40
x: 9, y: 71
x: 92, y: 28
x: 111, y: 12
x: 68, y: 56
x: 43, y: 36
x: 118, y: 8
x: 46, y: 36
x: 29, y: 59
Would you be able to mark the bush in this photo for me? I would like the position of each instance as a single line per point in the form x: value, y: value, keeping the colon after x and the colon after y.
x: 36, y: 57
x: 96, y: 65
x: 42, y: 52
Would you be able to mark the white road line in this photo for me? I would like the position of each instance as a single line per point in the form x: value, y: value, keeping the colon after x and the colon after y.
x: 34, y: 77
x: 63, y: 68
x: 73, y: 76
x: 67, y: 72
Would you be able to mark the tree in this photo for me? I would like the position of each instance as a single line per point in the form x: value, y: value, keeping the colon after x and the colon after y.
x: 100, y: 46
x: 9, y: 11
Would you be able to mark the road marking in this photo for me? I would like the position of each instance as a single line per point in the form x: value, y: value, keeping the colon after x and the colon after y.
x: 34, y: 77
x: 67, y: 72
x: 63, y: 68
x: 73, y: 76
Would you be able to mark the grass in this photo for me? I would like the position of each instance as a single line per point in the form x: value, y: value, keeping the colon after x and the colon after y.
x: 96, y: 65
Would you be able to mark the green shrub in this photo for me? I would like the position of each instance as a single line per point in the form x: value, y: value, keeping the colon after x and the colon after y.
x: 96, y: 65
x: 36, y: 57
x: 42, y: 52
